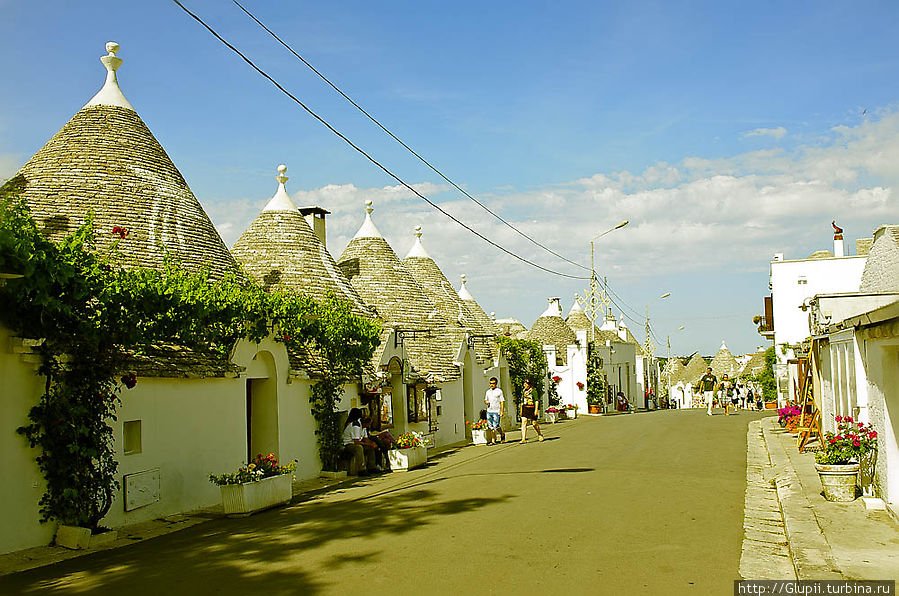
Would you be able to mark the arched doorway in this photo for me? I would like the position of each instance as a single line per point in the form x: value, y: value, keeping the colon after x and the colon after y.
x: 262, y: 406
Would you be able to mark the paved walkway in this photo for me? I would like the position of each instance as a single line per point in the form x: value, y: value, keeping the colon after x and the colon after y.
x: 792, y: 532
x: 789, y: 530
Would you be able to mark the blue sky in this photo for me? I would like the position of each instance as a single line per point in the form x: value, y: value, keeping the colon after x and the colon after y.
x: 724, y: 131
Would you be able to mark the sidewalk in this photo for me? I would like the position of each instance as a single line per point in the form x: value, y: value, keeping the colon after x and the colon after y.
x: 825, y: 540
x: 303, y: 490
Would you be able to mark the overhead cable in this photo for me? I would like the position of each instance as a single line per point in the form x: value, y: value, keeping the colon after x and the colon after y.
x: 362, y: 151
x: 400, y: 141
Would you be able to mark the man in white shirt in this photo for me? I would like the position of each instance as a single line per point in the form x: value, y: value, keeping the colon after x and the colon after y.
x: 496, y: 405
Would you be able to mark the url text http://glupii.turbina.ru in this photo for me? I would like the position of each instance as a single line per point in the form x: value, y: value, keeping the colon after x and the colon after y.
x: 750, y: 587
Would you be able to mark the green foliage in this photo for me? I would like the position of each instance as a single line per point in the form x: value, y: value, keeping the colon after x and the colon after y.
x: 90, y: 315
x: 526, y: 361
x: 852, y: 443
x: 765, y: 378
x: 596, y: 380
x: 263, y: 466
x: 325, y: 395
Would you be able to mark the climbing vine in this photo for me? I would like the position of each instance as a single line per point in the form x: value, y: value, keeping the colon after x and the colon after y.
x: 526, y: 361
x: 89, y: 318
x: 765, y: 378
x: 596, y: 380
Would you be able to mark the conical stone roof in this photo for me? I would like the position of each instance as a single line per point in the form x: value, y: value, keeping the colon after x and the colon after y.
x: 106, y: 162
x: 578, y: 320
x: 281, y: 252
x: 383, y: 282
x: 550, y: 328
x: 695, y: 369
x: 675, y: 368
x: 724, y: 363
x: 484, y: 320
x: 442, y: 294
x: 881, y: 273
x: 755, y: 365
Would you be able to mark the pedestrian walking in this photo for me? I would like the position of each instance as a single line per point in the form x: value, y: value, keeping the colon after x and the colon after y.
x: 529, y: 412
x: 726, y: 393
x: 750, y: 401
x: 707, y: 385
x: 496, y: 405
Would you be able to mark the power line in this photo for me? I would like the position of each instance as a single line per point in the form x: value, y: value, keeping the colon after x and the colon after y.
x: 362, y: 151
x: 398, y: 140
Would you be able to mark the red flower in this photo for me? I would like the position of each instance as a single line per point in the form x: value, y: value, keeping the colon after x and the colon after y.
x: 129, y: 380
x: 120, y: 231
x: 839, y: 418
x: 556, y: 379
x: 872, y: 434
x: 856, y: 443
x: 847, y: 419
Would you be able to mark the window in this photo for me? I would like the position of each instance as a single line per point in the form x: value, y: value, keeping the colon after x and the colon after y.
x: 132, y: 438
x: 802, y: 281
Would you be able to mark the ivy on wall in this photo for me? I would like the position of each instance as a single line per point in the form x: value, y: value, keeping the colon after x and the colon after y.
x: 90, y: 314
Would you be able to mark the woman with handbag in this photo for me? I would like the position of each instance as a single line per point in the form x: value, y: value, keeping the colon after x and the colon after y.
x: 529, y: 412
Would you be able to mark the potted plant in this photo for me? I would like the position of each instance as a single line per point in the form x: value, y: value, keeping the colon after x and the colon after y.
x: 571, y: 411
x: 838, y: 462
x: 551, y: 414
x: 260, y: 484
x: 478, y: 431
x: 408, y: 452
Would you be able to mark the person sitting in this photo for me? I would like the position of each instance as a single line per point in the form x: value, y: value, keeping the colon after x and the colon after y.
x: 623, y: 405
x: 353, y: 445
x: 376, y: 443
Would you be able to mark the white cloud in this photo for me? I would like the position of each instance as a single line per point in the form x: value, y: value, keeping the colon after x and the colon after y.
x: 696, y: 219
x: 774, y: 133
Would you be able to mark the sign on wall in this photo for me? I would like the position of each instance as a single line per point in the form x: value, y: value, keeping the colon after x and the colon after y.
x: 141, y: 489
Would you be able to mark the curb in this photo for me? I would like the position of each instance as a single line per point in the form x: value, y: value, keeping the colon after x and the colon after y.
x: 811, y: 553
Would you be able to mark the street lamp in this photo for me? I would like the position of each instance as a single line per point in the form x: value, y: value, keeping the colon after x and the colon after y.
x: 591, y: 302
x: 651, y: 378
x: 668, y: 364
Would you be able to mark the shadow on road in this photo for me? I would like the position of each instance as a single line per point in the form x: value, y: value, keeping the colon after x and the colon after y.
x: 275, y: 552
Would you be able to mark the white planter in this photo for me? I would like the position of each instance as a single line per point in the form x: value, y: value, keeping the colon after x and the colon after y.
x: 571, y: 413
x: 255, y: 496
x: 76, y: 537
x: 406, y: 459
x: 479, y: 437
x: 551, y: 417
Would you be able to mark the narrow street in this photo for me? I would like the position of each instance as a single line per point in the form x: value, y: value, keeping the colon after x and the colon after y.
x: 645, y: 503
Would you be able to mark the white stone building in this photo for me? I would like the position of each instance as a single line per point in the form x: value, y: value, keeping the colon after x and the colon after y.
x: 793, y: 283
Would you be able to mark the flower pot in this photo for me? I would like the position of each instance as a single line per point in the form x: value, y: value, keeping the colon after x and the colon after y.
x: 76, y: 537
x: 838, y: 481
x: 250, y: 497
x: 479, y: 436
x: 406, y: 459
x: 594, y: 409
x: 571, y: 413
x: 770, y: 405
x: 551, y: 417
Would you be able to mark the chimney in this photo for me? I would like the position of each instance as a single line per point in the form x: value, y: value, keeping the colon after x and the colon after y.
x: 837, y: 239
x: 315, y: 217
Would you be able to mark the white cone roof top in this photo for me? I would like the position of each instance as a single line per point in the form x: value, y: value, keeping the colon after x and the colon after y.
x: 723, y: 346
x: 464, y: 294
x: 110, y: 94
x: 281, y: 201
x: 417, y: 249
x: 368, y: 229
x: 576, y: 307
x: 554, y: 309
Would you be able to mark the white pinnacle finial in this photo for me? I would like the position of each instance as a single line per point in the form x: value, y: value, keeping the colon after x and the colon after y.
x: 368, y: 229
x: 464, y: 294
x: 281, y: 201
x: 417, y: 249
x: 110, y: 94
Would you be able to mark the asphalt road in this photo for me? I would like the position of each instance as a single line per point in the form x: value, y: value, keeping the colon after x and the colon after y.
x: 649, y: 503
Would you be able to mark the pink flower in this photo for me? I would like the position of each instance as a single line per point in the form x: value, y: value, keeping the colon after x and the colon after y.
x: 839, y: 418
x: 872, y: 434
x: 847, y: 419
x: 856, y: 443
